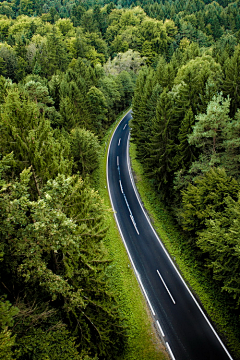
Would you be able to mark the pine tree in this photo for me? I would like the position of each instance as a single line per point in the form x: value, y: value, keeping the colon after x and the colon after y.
x: 144, y: 109
x: 230, y: 157
x: 209, y: 130
x: 29, y: 135
x: 232, y: 80
x: 161, y: 147
x: 54, y: 263
x: 220, y: 242
x: 97, y: 107
x: 185, y: 152
x: 196, y: 74
x: 85, y: 149
x: 206, y: 197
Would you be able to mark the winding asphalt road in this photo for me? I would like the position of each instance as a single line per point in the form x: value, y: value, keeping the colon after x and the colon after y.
x: 187, y: 333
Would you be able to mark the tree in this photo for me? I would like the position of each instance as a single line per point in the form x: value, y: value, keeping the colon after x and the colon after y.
x: 161, y: 147
x: 220, y: 241
x: 97, y: 108
x: 206, y: 197
x: 165, y: 73
x: 144, y: 110
x: 209, y: 130
x: 7, y: 313
x: 85, y: 150
x: 185, y: 152
x: 111, y: 90
x: 127, y: 61
x: 53, y: 55
x: 9, y: 62
x: 231, y: 80
x: 29, y: 135
x: 231, y: 144
x: 54, y: 265
x: 195, y: 75
x: 39, y: 93
x: 76, y: 108
x: 126, y: 88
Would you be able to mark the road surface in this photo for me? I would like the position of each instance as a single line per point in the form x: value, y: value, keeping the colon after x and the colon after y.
x: 187, y: 333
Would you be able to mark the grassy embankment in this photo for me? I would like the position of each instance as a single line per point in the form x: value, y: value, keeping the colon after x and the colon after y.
x: 216, y: 303
x: 143, y: 343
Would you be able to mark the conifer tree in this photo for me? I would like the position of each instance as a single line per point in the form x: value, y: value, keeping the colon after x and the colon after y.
x: 220, y: 242
x: 160, y: 163
x: 232, y: 80
x: 54, y: 264
x: 97, y: 107
x: 54, y: 55
x: 196, y: 74
x: 144, y: 109
x: 29, y: 135
x: 185, y: 152
x: 206, y: 197
x: 85, y: 149
x: 209, y: 130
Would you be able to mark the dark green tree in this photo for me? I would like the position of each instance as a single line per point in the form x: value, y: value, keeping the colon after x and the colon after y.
x: 29, y: 135
x: 220, y: 242
x: 160, y: 163
x: 142, y: 115
x: 54, y: 265
x: 185, y: 152
x: 204, y: 198
x: 231, y: 80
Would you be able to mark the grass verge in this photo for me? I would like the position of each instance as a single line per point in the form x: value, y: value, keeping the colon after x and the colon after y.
x: 214, y: 302
x: 143, y: 342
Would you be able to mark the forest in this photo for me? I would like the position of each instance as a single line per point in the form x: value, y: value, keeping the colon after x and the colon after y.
x: 67, y: 69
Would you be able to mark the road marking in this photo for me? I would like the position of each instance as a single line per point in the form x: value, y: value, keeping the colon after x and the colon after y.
x: 120, y: 183
x: 119, y: 141
x: 125, y: 198
x: 170, y: 351
x: 144, y: 291
x: 166, y: 287
x: 117, y: 161
x: 161, y: 330
x: 169, y: 257
x: 134, y: 224
x: 124, y: 126
x: 119, y: 228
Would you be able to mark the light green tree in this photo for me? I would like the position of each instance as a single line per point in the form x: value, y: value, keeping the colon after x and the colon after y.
x: 209, y: 132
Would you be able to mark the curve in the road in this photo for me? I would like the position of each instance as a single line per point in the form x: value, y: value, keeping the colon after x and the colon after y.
x: 186, y: 330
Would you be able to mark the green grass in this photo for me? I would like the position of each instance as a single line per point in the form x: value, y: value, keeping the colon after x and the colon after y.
x: 142, y: 342
x: 204, y: 288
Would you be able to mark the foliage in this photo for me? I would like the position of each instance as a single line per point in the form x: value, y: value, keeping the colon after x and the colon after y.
x: 128, y: 61
x: 85, y: 149
x: 206, y: 197
x: 67, y: 69
x: 58, y: 265
x: 220, y: 240
x: 29, y: 135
